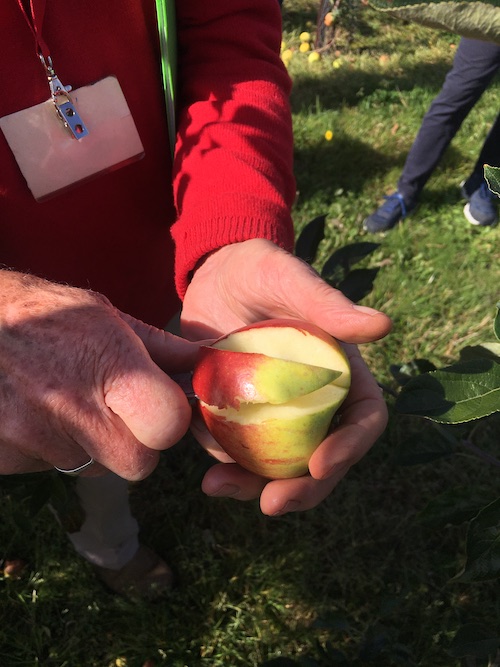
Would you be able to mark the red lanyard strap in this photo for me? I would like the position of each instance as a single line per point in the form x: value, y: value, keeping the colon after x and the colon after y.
x: 34, y: 18
x: 63, y: 103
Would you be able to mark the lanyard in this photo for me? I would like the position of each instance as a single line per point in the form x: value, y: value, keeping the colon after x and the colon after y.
x: 59, y: 93
x: 34, y: 18
x: 165, y: 13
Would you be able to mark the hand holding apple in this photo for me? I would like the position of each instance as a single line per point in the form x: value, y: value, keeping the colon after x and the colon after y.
x: 268, y: 392
x: 255, y: 280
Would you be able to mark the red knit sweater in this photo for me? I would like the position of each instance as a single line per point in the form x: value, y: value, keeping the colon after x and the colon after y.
x: 232, y: 175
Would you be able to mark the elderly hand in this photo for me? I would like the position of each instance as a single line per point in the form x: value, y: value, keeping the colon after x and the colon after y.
x: 255, y: 280
x: 79, y: 380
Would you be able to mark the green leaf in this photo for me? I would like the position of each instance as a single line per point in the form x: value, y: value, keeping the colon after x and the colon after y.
x: 338, y: 265
x: 403, y: 373
x: 483, y: 546
x: 455, y: 506
x: 416, y: 450
x: 496, y: 324
x: 474, y: 640
x: 492, y: 176
x: 358, y: 283
x: 477, y: 20
x: 485, y: 351
x: 457, y: 394
x: 309, y: 239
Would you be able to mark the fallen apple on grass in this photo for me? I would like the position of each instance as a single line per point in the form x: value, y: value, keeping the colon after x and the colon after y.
x: 268, y: 392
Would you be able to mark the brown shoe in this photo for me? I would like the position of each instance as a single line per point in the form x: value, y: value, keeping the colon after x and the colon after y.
x: 146, y: 575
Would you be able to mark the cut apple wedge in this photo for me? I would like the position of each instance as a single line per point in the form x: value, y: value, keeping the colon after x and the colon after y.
x: 293, y: 341
x: 224, y: 378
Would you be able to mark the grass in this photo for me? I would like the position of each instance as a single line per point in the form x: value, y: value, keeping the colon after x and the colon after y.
x: 361, y: 579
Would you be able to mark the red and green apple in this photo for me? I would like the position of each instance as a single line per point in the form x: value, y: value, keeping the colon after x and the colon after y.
x: 268, y: 392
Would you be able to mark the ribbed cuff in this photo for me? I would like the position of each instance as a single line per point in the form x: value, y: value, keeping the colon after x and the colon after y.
x: 198, y: 235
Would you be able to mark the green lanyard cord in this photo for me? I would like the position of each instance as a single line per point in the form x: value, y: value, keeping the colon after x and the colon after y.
x: 165, y: 14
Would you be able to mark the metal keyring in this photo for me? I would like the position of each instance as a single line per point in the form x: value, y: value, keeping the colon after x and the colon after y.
x: 74, y: 472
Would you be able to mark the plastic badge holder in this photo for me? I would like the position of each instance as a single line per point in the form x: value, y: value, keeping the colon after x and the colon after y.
x: 52, y: 160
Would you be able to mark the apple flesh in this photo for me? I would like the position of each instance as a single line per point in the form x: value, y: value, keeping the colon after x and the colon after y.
x: 268, y: 392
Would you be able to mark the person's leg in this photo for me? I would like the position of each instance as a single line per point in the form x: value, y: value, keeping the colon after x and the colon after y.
x: 474, y: 65
x: 481, y: 208
x: 108, y: 536
x: 99, y: 523
x: 490, y: 154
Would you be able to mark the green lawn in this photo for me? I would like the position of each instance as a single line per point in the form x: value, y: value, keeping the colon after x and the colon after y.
x: 363, y: 579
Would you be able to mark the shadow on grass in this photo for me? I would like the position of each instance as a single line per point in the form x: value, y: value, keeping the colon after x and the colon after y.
x: 350, y: 165
x: 345, y: 162
x: 357, y: 576
x: 352, y: 87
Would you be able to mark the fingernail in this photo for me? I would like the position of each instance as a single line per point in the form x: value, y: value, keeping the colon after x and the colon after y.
x: 366, y: 310
x: 290, y: 506
x: 226, y: 491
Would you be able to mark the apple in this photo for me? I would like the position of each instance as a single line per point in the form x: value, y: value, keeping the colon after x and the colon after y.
x: 267, y: 393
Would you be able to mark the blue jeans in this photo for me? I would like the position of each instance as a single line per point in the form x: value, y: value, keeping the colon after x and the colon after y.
x: 474, y: 66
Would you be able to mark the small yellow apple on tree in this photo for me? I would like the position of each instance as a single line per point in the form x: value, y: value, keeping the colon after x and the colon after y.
x: 267, y: 393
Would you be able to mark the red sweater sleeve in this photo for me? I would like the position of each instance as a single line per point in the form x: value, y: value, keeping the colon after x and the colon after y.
x: 233, y: 171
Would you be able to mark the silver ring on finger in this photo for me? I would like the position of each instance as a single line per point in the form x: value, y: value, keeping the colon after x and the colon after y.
x: 74, y: 472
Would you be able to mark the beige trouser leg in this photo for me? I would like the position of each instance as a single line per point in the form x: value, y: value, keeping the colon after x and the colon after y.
x: 108, y: 536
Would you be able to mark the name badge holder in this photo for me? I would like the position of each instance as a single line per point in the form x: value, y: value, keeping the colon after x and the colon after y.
x: 76, y: 134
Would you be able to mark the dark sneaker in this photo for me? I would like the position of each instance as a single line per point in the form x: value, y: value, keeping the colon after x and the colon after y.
x: 389, y: 214
x: 482, y: 207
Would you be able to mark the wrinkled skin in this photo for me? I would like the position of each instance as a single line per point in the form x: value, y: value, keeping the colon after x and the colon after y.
x: 77, y: 379
x: 221, y: 298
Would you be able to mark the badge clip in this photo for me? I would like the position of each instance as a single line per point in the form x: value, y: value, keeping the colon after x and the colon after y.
x: 63, y: 103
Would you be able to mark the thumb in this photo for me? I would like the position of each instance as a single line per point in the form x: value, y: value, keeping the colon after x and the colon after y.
x: 151, y: 404
x: 172, y: 353
x: 301, y: 292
